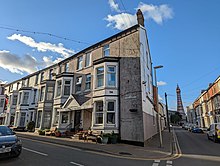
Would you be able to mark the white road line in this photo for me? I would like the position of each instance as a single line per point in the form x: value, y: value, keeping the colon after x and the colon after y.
x: 155, y: 164
x: 34, y: 151
x: 156, y: 161
x: 168, y: 165
x: 76, y: 164
x: 169, y: 162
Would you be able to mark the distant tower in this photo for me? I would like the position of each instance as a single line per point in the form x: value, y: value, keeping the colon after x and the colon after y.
x: 179, y: 101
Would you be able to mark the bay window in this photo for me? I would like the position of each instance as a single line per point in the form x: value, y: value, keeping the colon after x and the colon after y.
x: 111, y: 112
x: 25, y: 97
x: 100, y: 77
x: 59, y: 84
x: 67, y: 87
x: 111, y: 76
x: 50, y: 93
x: 99, y: 112
x: 42, y: 93
x: 15, y: 97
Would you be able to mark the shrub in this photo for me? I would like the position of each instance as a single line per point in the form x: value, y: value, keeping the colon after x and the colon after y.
x: 31, y: 126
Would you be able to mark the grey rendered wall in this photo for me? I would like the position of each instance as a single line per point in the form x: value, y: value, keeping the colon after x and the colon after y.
x: 131, y: 123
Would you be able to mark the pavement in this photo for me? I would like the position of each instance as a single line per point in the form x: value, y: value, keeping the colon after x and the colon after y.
x: 151, y: 151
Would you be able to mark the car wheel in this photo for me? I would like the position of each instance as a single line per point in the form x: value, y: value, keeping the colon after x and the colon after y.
x: 16, y: 153
x: 208, y: 137
x: 215, y: 139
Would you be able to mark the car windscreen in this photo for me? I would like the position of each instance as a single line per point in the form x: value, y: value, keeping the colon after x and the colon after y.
x: 4, y: 131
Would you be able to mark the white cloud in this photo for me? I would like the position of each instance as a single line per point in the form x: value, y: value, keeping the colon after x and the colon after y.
x: 125, y: 20
x: 114, y: 6
x: 42, y: 46
x: 3, y: 82
x: 121, y: 21
x: 160, y: 98
x: 156, y: 13
x: 16, y: 64
x: 161, y: 83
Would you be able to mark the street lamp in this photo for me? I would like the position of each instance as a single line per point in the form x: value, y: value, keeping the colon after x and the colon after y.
x: 157, y: 103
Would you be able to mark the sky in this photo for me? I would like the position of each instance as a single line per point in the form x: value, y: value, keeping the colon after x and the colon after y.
x: 184, y: 37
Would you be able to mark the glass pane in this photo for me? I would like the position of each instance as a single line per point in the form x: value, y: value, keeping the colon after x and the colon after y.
x: 99, y: 106
x: 100, y: 70
x: 100, y: 80
x: 64, y: 118
x: 111, y: 118
x: 99, y: 118
x: 66, y: 90
x: 111, y: 106
x: 111, y: 69
x: 111, y: 79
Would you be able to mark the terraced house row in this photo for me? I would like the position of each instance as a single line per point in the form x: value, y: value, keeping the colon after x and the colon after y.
x: 206, y: 108
x: 105, y: 87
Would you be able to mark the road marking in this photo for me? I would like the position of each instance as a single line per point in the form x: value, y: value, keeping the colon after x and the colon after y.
x: 34, y: 151
x: 170, y: 162
x: 76, y: 163
x: 156, y: 161
x: 155, y: 164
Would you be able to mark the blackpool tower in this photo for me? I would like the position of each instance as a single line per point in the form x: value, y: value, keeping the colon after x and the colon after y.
x: 180, y: 108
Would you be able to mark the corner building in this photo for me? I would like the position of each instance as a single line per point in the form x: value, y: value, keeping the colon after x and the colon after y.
x: 106, y: 87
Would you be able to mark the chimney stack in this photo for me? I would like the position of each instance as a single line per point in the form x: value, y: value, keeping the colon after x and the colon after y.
x: 140, y: 17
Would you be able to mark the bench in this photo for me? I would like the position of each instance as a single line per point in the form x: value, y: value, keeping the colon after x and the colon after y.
x: 51, y: 131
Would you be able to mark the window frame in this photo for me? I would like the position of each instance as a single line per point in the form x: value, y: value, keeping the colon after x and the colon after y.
x: 88, y: 81
x: 66, y: 85
x: 42, y: 93
x: 100, y: 112
x: 58, y: 86
x: 106, y: 50
x: 88, y: 59
x: 27, y: 96
x: 111, y: 112
x: 109, y: 73
x: 78, y: 83
x: 99, y: 75
x: 79, y: 63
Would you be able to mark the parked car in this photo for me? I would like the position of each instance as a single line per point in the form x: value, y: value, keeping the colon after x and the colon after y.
x: 10, y: 145
x: 197, y: 130
x: 213, y: 132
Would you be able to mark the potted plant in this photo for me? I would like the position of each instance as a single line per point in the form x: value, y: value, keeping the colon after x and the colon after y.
x: 31, y: 126
x: 113, y: 138
x: 105, y: 138
x: 41, y: 132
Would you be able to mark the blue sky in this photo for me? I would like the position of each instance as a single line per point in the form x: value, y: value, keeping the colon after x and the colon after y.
x: 184, y: 37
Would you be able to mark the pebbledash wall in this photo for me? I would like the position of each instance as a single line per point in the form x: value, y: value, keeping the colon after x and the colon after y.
x: 106, y: 87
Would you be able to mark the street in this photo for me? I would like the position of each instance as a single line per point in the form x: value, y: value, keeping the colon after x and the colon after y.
x: 195, y: 148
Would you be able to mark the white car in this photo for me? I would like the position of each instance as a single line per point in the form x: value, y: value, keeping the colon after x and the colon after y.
x: 213, y: 132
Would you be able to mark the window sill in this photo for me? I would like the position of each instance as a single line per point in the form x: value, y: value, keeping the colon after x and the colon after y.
x: 77, y: 70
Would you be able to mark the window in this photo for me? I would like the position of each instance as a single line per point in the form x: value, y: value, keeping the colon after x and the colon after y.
x: 46, y: 117
x: 42, y: 93
x: 22, y: 119
x: 66, y: 69
x: 88, y: 82
x: 59, y: 83
x: 19, y: 98
x: 56, y: 120
x: 18, y: 85
x: 67, y: 87
x: 78, y: 84
x: 27, y: 82
x: 22, y: 83
x: 39, y: 118
x: 88, y: 59
x: 25, y: 97
x: 15, y: 97
x: 42, y: 77
x: 49, y: 93
x: 2, y: 102
x: 111, y: 112
x: 100, y: 77
x: 35, y: 94
x: 99, y: 112
x: 106, y: 50
x: 51, y: 74
x: 79, y: 63
x: 111, y: 76
x: 64, y: 118
x: 36, y: 79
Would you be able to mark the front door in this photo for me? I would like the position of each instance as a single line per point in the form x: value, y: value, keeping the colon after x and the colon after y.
x: 77, y: 119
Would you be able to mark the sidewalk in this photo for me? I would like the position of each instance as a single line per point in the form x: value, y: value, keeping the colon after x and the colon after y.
x: 150, y: 151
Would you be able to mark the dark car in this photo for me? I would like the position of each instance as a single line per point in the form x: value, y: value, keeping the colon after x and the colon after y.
x: 197, y: 130
x: 10, y: 145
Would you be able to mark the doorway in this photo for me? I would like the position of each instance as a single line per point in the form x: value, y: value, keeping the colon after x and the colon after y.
x: 77, y: 119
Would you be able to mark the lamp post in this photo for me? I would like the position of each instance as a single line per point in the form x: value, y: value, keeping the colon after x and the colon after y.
x: 157, y: 103
x: 168, y: 121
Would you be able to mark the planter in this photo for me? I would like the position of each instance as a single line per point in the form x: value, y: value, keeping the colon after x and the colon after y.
x: 114, y: 139
x: 104, y: 140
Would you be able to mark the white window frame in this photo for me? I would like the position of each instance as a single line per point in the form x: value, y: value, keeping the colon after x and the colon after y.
x: 110, y: 112
x: 66, y: 85
x: 14, y: 102
x: 79, y: 62
x: 100, y: 74
x: 106, y: 50
x: 25, y: 101
x: 60, y: 87
x: 109, y: 74
x: 66, y: 67
x: 99, y: 112
x: 88, y: 81
x: 78, y: 83
x: 88, y: 59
